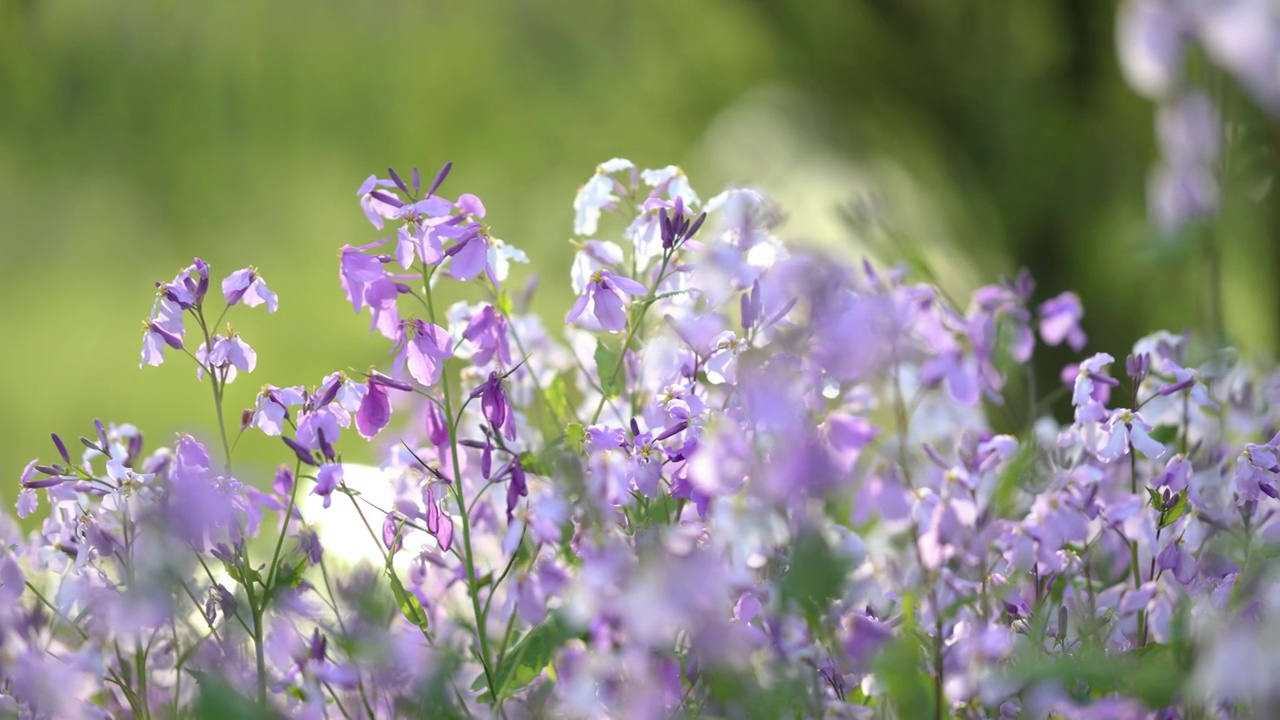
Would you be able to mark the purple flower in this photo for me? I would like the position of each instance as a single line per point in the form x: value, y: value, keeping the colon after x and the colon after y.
x: 377, y: 206
x: 229, y: 354
x: 423, y: 348
x: 164, y: 328
x: 328, y: 478
x: 488, y: 332
x: 516, y: 488
x: 1184, y: 379
x: 493, y: 402
x: 607, y: 293
x: 374, y: 413
x: 272, y: 409
x: 1092, y: 387
x: 27, y: 503
x: 154, y: 338
x: 471, y: 255
x: 366, y: 284
x: 321, y: 426
x: 1060, y: 320
x: 1257, y: 472
x: 12, y: 579
x: 959, y: 371
x: 188, y: 289
x: 248, y: 286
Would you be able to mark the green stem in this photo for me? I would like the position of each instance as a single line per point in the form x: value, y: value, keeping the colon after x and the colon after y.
x: 284, y: 528
x: 1133, y: 545
x: 217, y: 391
x: 468, y: 558
x: 632, y: 329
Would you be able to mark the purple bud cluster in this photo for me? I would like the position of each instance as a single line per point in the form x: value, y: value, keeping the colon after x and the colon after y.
x: 744, y: 479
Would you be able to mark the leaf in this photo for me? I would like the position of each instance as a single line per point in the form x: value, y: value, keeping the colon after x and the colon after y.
x: 526, y: 659
x: 815, y: 575
x: 1157, y: 500
x: 503, y: 304
x: 536, y: 464
x: 558, y: 398
x: 575, y: 436
x: 900, y: 666
x: 218, y: 701
x: 1179, y: 509
x: 611, y: 379
x: 408, y: 603
x: 1164, y: 434
x: 1015, y: 470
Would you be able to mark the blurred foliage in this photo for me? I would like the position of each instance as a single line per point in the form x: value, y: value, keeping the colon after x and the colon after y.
x: 137, y: 135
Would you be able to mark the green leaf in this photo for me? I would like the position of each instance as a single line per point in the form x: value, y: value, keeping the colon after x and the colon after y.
x: 526, y: 659
x: 408, y: 603
x: 1015, y: 471
x: 558, y: 398
x: 536, y: 464
x: 900, y: 666
x: 1150, y: 674
x: 575, y: 436
x: 219, y: 701
x: 611, y: 379
x: 815, y: 575
x: 1178, y: 509
x: 1164, y: 434
x: 503, y: 303
x: 1157, y: 499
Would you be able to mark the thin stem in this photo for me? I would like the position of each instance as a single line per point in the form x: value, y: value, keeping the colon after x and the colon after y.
x: 217, y: 391
x: 468, y: 558
x: 284, y: 528
x: 1133, y: 545
x: 632, y: 329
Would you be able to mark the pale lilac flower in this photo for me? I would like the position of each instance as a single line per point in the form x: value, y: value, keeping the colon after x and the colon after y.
x: 606, y: 293
x: 471, y: 255
x: 229, y: 354
x: 598, y: 194
x: 328, y: 478
x: 1089, y: 383
x: 27, y: 503
x: 248, y: 286
x: 272, y: 408
x: 487, y: 330
x: 366, y: 284
x: 1060, y: 320
x: 1184, y: 379
x: 593, y: 255
x: 164, y: 328
x: 1125, y: 429
x: 321, y: 426
x: 12, y: 579
x: 380, y: 206
x: 422, y: 348
x: 1152, y: 36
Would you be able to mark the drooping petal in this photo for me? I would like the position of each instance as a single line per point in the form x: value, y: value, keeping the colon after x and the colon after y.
x: 374, y: 413
x: 608, y: 309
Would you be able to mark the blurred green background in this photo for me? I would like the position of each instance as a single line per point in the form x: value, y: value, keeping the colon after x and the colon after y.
x: 987, y: 135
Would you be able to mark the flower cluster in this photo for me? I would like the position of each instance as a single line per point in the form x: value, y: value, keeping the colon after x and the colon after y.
x: 1155, y: 39
x: 744, y: 480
